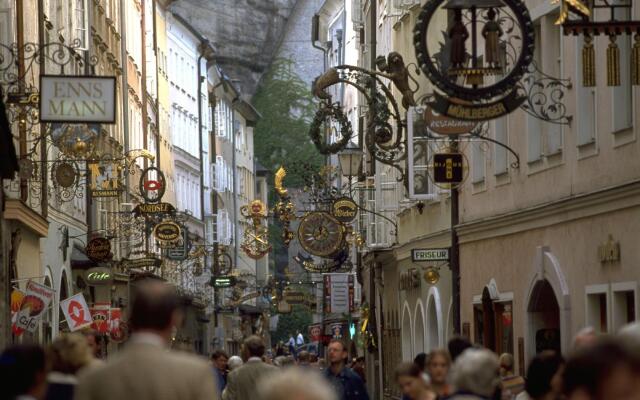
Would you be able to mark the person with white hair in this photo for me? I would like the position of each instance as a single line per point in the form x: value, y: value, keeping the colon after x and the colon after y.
x: 296, y: 384
x: 234, y: 362
x: 475, y: 375
x: 584, y: 338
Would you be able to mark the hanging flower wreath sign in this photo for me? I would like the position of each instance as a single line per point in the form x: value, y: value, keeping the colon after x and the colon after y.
x: 333, y: 113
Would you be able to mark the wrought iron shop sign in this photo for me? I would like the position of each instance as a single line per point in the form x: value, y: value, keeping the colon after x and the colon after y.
x: 448, y: 168
x: 99, y: 276
x: 154, y: 208
x: 104, y: 180
x: 344, y: 209
x: 152, y: 185
x: 99, y: 250
x: 167, y: 232
x: 223, y: 281
x: 78, y: 99
x: 418, y: 255
x: 294, y: 297
x: 142, y: 263
x: 180, y: 252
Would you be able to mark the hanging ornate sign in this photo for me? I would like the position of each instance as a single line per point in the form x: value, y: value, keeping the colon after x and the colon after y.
x: 104, y: 178
x: 255, y: 242
x: 65, y: 98
x: 448, y: 168
x: 181, y: 251
x: 98, y: 276
x: 167, y: 232
x: 154, y: 208
x: 334, y: 265
x: 141, y: 263
x: 152, y: 185
x: 294, y: 297
x: 344, y: 209
x: 65, y: 174
x: 99, y: 250
x: 485, y: 78
x: 321, y: 234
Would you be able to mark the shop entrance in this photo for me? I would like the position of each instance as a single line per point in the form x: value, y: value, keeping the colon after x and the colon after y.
x: 544, y: 317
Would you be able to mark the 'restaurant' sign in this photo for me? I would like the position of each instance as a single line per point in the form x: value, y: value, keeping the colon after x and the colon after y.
x: 78, y: 99
x: 444, y: 125
x: 418, y: 255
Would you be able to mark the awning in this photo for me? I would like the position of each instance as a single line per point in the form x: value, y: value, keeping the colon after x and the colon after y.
x: 79, y: 259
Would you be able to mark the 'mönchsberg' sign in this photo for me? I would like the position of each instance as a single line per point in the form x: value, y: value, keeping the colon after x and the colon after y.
x: 78, y: 99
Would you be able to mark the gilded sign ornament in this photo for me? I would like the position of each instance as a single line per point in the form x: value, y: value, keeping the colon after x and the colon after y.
x: 255, y: 242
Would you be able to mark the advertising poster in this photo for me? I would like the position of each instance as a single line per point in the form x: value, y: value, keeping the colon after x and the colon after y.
x: 36, y: 300
x: 17, y: 296
x: 100, y: 316
x: 117, y: 328
x: 76, y: 312
x: 315, y: 333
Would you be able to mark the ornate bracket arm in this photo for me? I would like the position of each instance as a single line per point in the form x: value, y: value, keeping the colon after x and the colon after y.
x: 544, y: 96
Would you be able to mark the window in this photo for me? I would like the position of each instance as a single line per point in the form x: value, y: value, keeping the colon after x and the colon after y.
x: 597, y: 313
x: 623, y: 94
x: 478, y: 168
x: 624, y: 307
x: 586, y: 102
x: 500, y: 160
x: 80, y: 22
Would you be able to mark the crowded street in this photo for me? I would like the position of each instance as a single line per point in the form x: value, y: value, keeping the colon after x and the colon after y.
x: 320, y: 199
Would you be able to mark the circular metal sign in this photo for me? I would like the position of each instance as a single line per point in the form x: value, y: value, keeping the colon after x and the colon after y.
x: 167, y: 231
x: 65, y: 175
x: 99, y: 250
x: 344, y: 209
x: 152, y: 185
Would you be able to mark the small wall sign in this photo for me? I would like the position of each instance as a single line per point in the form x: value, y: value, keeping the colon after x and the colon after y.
x: 99, y: 276
x: 409, y: 279
x: 167, y: 232
x: 223, y: 281
x: 294, y: 297
x: 344, y: 209
x: 418, y: 255
x: 99, y: 250
x: 609, y: 251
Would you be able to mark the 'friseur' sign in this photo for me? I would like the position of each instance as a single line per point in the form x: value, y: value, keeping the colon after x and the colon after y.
x: 78, y: 99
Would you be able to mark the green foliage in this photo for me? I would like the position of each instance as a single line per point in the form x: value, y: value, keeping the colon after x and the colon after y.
x: 282, y: 134
x: 298, y: 320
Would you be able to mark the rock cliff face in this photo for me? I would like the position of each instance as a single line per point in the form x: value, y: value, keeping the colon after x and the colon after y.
x: 246, y: 33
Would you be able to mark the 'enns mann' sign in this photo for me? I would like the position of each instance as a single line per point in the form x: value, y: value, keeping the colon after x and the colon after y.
x: 78, y: 99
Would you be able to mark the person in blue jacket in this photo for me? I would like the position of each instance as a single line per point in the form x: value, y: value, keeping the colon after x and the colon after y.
x: 347, y: 384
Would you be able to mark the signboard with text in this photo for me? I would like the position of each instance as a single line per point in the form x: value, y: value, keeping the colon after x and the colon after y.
x: 76, y: 312
x: 338, y: 293
x: 78, y: 99
x: 418, y: 255
x: 36, y: 300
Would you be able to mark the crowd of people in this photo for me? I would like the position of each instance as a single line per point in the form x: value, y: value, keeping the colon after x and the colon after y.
x: 597, y: 368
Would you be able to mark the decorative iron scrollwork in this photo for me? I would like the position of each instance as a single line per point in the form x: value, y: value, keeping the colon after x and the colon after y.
x: 544, y: 96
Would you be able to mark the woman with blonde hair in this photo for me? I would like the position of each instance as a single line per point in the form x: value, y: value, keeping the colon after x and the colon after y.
x: 68, y: 354
x: 438, y: 365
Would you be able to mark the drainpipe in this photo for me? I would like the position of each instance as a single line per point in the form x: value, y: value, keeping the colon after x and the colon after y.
x: 235, y: 186
x: 125, y: 86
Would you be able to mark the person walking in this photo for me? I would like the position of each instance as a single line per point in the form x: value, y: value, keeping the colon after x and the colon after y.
x: 475, y: 375
x: 346, y: 383
x: 296, y: 384
x: 409, y: 377
x: 68, y: 355
x: 144, y: 369
x: 23, y: 371
x: 438, y: 364
x: 299, y: 340
x: 544, y: 377
x: 219, y: 359
x: 291, y: 345
x: 242, y: 383
x: 511, y: 383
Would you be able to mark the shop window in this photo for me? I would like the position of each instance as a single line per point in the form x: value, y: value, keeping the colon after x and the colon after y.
x: 624, y: 304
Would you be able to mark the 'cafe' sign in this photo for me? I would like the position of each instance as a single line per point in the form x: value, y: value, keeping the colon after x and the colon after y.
x: 99, y: 276
x: 78, y: 99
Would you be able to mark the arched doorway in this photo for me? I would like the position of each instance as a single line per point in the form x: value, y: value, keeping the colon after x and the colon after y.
x: 419, y: 335
x: 407, y: 348
x: 432, y: 325
x: 544, y: 317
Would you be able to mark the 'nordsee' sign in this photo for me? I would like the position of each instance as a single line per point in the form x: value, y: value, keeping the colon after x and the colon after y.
x: 78, y: 99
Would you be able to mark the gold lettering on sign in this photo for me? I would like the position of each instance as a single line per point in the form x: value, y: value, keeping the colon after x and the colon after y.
x: 473, y: 113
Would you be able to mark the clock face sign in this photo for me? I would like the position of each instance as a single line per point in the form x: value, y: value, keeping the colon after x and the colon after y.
x: 321, y: 234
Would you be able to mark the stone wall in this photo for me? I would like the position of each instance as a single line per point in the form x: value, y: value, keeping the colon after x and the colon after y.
x: 246, y: 33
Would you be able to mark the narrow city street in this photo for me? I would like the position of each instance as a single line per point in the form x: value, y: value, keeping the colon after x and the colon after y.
x: 320, y: 199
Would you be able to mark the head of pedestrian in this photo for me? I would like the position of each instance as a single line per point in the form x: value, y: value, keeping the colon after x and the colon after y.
x: 23, y: 371
x: 220, y: 358
x: 337, y: 355
x: 606, y: 370
x: 506, y: 364
x: 92, y: 338
x: 69, y: 353
x: 476, y: 372
x: 296, y: 384
x: 584, y: 338
x: 234, y: 362
x: 409, y: 377
x: 253, y: 348
x: 156, y: 310
x: 438, y: 365
x: 544, y: 376
x: 304, y: 357
x: 457, y: 345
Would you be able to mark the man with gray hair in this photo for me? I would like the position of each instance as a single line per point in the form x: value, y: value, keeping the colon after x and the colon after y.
x: 475, y: 375
x: 296, y: 384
